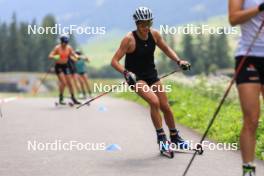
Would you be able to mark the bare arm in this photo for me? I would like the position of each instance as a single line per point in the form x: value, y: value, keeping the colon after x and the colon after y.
x: 165, y: 48
x: 53, y: 53
x: 73, y: 55
x: 237, y: 15
x: 122, y: 50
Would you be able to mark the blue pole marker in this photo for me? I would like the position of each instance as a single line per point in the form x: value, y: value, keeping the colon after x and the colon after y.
x: 113, y: 148
x: 102, y: 108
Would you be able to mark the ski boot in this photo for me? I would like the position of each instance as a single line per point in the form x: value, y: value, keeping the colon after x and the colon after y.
x: 61, y: 100
x: 178, y: 141
x: 74, y: 101
x: 249, y: 170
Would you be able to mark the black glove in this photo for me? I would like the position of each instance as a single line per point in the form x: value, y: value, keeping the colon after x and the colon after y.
x: 185, y: 66
x: 261, y: 7
x: 130, y: 77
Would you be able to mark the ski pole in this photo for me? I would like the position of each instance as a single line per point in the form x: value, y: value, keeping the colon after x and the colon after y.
x: 42, y: 80
x: 171, y: 73
x: 224, y: 97
x: 105, y: 93
x: 112, y: 89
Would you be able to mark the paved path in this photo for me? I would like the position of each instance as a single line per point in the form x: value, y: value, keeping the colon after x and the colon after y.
x: 109, y: 121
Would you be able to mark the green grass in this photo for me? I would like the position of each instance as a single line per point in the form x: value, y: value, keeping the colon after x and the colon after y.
x: 194, y: 107
x: 102, y: 49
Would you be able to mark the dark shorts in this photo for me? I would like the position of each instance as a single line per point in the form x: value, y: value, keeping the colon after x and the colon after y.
x: 72, y: 66
x: 81, y: 73
x: 252, y: 70
x: 62, y: 68
x: 150, y: 81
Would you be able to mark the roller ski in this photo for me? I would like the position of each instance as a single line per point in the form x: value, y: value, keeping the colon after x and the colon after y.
x: 74, y: 101
x: 164, y: 146
x: 198, y: 149
x: 63, y: 103
x: 182, y: 146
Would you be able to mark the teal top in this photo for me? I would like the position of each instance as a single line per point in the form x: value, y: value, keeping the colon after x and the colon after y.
x: 80, y: 66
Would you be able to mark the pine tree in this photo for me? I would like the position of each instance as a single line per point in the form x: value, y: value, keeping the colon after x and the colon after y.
x: 24, y: 40
x: 163, y: 64
x: 211, y: 65
x: 33, y: 57
x: 201, y: 54
x: 46, y: 43
x: 188, y: 52
x: 172, y: 64
x: 3, y: 42
x: 12, y: 50
x: 222, y: 52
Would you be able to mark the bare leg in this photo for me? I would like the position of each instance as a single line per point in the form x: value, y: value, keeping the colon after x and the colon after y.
x: 87, y: 84
x: 153, y: 102
x: 69, y: 84
x: 249, y: 99
x: 82, y: 85
x: 75, y: 82
x: 164, y: 105
x: 62, y: 83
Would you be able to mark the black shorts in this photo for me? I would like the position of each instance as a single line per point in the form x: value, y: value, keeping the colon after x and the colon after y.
x: 252, y: 70
x: 62, y: 68
x: 150, y: 81
x: 81, y: 73
x: 72, y: 66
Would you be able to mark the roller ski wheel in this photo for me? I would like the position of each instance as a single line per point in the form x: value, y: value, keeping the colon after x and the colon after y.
x: 60, y: 103
x: 198, y: 149
x: 167, y: 152
x: 57, y: 104
x: 164, y: 146
x: 71, y: 104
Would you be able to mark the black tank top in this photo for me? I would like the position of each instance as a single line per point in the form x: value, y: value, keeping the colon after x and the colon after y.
x: 141, y: 60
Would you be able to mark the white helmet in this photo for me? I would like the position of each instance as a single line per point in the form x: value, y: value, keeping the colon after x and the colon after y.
x: 142, y: 14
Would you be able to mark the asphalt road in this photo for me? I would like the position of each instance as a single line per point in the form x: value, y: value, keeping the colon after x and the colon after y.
x: 107, y: 121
